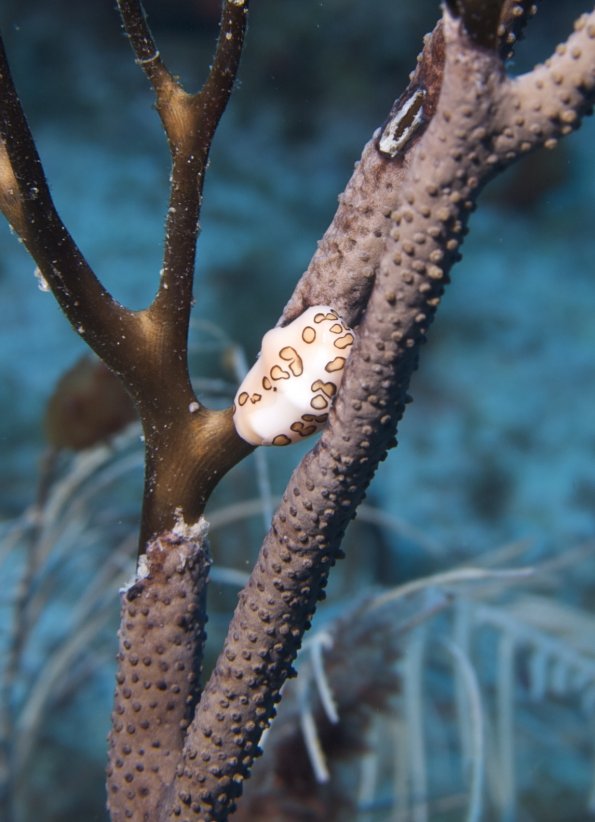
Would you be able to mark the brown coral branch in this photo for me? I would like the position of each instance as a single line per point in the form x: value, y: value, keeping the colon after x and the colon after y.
x: 145, y: 49
x: 26, y: 202
x: 188, y: 447
x: 190, y: 121
x: 411, y: 235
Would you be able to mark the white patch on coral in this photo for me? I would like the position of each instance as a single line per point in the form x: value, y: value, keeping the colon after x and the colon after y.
x: 197, y: 532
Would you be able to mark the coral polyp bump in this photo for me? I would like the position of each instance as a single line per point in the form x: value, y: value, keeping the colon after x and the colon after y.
x: 288, y: 392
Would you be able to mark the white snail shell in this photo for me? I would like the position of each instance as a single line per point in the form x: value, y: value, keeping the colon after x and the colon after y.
x: 288, y: 392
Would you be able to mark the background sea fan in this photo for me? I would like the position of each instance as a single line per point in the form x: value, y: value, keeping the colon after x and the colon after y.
x: 88, y: 405
x: 346, y: 678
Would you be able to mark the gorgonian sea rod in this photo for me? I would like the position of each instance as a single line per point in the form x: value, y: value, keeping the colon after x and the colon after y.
x: 382, y: 265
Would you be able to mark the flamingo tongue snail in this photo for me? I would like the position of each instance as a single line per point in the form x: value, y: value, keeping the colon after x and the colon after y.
x: 288, y: 392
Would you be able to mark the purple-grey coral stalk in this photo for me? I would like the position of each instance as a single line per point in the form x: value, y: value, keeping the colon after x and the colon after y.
x: 162, y: 633
x: 384, y: 261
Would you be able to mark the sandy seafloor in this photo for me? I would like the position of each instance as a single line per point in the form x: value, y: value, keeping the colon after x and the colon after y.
x: 499, y: 444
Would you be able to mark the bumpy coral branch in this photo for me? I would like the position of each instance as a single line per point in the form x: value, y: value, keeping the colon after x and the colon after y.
x: 531, y: 112
x: 343, y: 270
x: 406, y: 237
x: 557, y: 94
x: 161, y: 638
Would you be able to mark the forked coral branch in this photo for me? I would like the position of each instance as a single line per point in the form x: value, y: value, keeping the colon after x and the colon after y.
x: 148, y: 348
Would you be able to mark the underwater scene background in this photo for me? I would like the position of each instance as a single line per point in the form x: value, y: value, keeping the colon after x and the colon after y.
x: 451, y: 672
